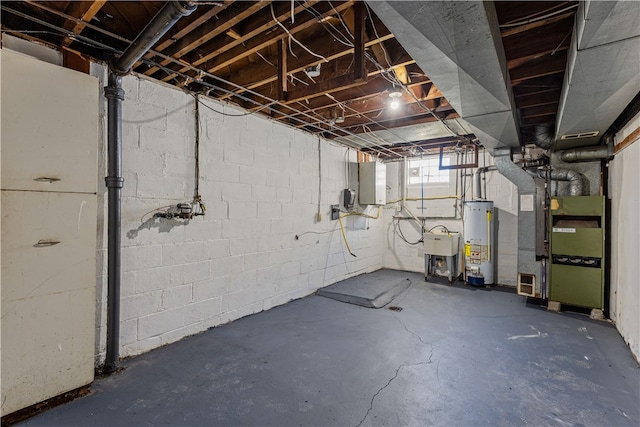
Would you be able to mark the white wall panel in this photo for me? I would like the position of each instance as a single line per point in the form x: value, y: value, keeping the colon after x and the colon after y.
x: 624, y: 192
x: 48, y: 131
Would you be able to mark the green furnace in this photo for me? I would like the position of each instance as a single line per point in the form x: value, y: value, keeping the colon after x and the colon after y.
x: 577, y: 251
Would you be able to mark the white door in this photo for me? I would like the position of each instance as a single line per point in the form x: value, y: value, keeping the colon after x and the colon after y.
x: 49, y: 132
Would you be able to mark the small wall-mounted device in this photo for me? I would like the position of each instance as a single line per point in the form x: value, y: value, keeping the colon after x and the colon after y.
x: 348, y: 198
x: 335, y: 212
x: 184, y: 210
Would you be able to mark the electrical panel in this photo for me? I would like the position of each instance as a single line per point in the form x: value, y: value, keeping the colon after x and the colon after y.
x: 372, y: 178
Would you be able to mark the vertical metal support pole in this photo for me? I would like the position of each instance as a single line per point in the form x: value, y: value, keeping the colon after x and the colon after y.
x: 114, y: 182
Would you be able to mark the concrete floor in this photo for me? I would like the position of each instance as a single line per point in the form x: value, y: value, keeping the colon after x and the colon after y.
x: 454, y: 356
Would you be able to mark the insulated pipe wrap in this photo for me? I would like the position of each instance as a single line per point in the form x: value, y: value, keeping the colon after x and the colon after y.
x: 587, y: 154
x: 574, y: 178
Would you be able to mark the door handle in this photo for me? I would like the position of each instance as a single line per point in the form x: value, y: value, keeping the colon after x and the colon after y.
x: 46, y: 179
x: 42, y: 243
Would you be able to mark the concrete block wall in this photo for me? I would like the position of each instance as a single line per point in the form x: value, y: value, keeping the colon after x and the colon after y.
x: 400, y: 255
x: 260, y: 183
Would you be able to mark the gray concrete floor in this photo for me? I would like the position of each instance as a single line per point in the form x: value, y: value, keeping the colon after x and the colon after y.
x: 454, y: 356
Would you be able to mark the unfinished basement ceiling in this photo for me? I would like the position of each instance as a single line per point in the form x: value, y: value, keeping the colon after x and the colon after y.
x: 325, y: 67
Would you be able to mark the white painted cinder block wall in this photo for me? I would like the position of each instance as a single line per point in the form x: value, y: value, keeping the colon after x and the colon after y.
x: 402, y: 256
x: 259, y: 181
x: 624, y: 176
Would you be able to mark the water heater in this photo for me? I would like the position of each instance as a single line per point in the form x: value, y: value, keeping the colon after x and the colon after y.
x: 479, y: 242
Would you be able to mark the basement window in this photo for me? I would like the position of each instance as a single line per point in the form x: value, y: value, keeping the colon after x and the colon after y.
x: 428, y: 171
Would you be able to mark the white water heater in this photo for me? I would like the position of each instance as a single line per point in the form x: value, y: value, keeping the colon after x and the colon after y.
x: 479, y: 242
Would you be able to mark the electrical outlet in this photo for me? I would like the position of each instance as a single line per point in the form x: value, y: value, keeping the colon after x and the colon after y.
x: 335, y: 212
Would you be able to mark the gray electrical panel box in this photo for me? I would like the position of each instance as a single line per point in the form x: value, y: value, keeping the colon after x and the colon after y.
x: 372, y: 178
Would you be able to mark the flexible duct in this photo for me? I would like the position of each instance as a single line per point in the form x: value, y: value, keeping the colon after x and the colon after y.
x: 159, y: 25
x: 574, y: 179
x: 587, y: 154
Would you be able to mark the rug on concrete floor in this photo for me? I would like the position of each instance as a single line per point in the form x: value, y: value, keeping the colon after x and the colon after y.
x: 373, y: 290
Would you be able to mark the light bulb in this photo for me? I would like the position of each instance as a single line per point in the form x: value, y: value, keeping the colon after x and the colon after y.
x: 394, y: 104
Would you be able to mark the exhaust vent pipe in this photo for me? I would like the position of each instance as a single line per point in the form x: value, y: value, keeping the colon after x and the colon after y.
x: 526, y: 185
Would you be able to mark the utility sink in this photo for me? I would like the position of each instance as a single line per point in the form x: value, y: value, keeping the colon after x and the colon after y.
x: 441, y: 244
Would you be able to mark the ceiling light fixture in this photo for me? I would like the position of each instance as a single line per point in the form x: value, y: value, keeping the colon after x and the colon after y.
x: 394, y: 96
x: 313, y: 71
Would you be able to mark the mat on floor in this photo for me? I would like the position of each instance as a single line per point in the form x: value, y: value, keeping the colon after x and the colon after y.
x: 373, y: 290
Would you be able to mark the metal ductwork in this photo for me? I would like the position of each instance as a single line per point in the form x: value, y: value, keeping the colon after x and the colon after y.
x: 602, y: 71
x: 159, y: 25
x: 458, y: 45
x: 587, y: 154
x: 527, y: 208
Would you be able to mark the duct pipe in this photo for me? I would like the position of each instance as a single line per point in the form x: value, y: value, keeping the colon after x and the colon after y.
x: 114, y: 181
x: 526, y: 213
x: 542, y: 161
x: 170, y: 13
x: 159, y: 25
x: 587, y: 154
x: 477, y: 181
x: 574, y: 178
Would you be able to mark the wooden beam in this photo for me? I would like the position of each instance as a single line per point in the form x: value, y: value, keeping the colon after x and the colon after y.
x: 260, y: 74
x: 208, y: 31
x: 416, y: 120
x: 407, y: 110
x: 548, y: 97
x: 86, y: 15
x: 365, y: 101
x: 375, y: 105
x: 525, y: 45
x: 359, y: 69
x: 74, y: 61
x: 541, y: 110
x: 544, y: 66
x: 538, y: 120
x: 630, y: 139
x: 537, y: 24
x: 202, y: 19
x: 323, y: 87
x: 223, y: 57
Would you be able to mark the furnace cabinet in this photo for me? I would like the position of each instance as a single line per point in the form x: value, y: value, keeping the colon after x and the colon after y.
x: 577, y: 250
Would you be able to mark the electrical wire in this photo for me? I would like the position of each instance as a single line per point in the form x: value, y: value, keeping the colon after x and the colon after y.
x: 227, y: 114
x: 438, y: 226
x: 398, y: 230
x: 298, y: 236
x: 344, y: 237
x: 291, y: 37
x: 364, y: 144
x: 361, y: 214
